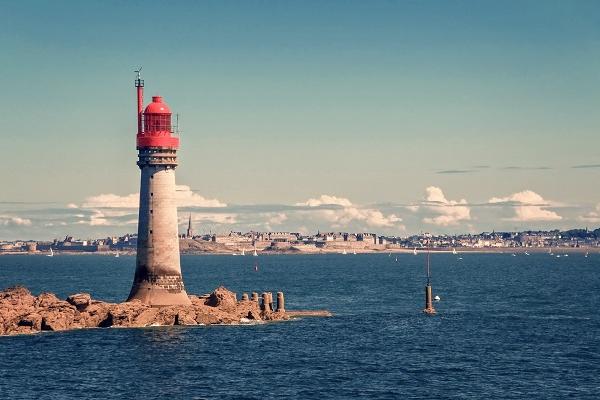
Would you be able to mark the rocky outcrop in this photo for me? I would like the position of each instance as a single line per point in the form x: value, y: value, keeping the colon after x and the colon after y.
x: 21, y: 312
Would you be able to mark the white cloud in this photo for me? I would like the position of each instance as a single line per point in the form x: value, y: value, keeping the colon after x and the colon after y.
x: 109, y: 200
x: 528, y: 206
x: 184, y: 197
x: 72, y: 205
x: 348, y: 213
x: 592, y: 216
x: 14, y: 221
x: 276, y: 218
x: 449, y: 212
x: 325, y: 199
x: 217, y: 218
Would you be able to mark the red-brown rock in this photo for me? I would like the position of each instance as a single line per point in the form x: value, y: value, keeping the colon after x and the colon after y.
x: 21, y: 312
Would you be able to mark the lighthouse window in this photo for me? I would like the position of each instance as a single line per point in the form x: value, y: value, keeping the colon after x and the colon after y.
x: 151, y: 212
x: 151, y: 194
x: 150, y: 231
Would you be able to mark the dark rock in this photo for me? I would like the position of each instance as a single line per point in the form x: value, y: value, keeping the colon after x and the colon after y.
x: 221, y: 298
x: 80, y: 300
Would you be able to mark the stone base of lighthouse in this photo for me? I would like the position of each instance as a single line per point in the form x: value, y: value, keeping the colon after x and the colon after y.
x: 158, y: 280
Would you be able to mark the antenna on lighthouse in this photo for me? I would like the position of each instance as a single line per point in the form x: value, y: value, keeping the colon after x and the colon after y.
x: 139, y: 84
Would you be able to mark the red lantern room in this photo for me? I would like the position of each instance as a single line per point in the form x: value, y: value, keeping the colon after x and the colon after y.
x: 157, y: 130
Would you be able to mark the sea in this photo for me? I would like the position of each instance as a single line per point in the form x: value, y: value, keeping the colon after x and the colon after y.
x: 507, y: 327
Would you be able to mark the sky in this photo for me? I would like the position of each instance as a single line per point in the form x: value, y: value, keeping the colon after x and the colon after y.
x: 395, y: 117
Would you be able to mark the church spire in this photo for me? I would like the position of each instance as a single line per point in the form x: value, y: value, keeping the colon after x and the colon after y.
x: 189, y: 233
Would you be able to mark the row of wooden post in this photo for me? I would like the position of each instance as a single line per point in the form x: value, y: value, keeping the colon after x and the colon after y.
x: 267, y: 301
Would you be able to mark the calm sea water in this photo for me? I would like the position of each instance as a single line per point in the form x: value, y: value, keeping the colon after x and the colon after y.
x: 507, y: 327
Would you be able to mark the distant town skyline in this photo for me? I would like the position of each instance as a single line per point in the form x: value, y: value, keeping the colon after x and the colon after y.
x: 391, y: 117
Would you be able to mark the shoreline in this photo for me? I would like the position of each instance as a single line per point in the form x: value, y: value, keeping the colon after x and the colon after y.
x: 325, y: 251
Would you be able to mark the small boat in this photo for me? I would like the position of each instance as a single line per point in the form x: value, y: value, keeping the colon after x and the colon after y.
x: 566, y: 255
x: 459, y: 258
x: 255, y: 254
x: 255, y: 267
x: 415, y: 251
x: 437, y: 298
x: 243, y: 252
x: 558, y: 256
x: 526, y: 253
x: 454, y: 251
x: 586, y: 254
x: 389, y: 255
x: 514, y: 255
x: 396, y: 260
x: 117, y: 255
x: 344, y: 252
x: 51, y: 253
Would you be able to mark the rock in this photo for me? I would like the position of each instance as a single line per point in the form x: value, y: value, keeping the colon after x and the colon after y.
x: 186, y: 317
x: 221, y: 298
x: 57, y: 319
x: 33, y: 320
x: 21, y: 312
x: 96, y: 315
x: 16, y: 296
x: 80, y: 300
x: 46, y: 300
x: 125, y: 314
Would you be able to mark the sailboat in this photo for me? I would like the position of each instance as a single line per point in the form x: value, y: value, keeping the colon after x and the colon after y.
x: 117, y: 255
x: 454, y: 251
x: 415, y: 251
x: 586, y: 254
x: 344, y: 252
x: 255, y: 254
x: 354, y: 252
x: 51, y: 253
x: 243, y: 252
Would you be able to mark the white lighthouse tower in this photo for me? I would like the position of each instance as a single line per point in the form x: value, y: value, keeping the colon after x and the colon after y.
x: 158, y: 280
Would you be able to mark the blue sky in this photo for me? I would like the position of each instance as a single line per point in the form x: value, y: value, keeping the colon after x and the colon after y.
x: 490, y: 103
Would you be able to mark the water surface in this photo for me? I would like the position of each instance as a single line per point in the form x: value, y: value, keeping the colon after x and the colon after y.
x: 507, y: 327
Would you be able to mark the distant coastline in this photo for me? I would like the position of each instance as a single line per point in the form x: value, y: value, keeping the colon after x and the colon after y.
x: 325, y: 251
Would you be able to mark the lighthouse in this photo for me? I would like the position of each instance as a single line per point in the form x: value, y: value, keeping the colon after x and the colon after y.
x: 158, y: 281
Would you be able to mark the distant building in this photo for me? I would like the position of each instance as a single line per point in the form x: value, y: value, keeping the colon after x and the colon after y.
x: 189, y: 233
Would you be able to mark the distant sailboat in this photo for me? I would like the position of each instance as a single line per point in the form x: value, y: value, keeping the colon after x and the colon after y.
x: 454, y: 251
x: 255, y: 254
x: 437, y: 298
x: 117, y: 255
x: 243, y: 252
x: 415, y: 251
x: 344, y: 252
x: 586, y: 254
x: 526, y: 253
x: 256, y: 267
x: 354, y: 252
x: 550, y: 251
x: 51, y: 253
